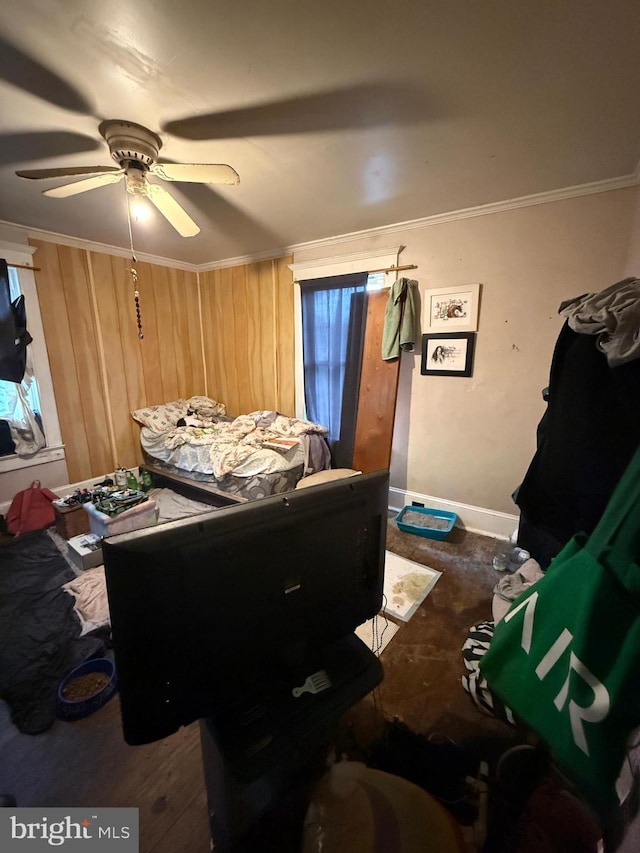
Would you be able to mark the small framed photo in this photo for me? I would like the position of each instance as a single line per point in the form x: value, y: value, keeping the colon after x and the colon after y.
x: 448, y: 309
x: 448, y: 354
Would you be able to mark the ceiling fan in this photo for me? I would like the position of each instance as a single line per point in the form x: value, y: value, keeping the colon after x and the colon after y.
x: 135, y: 149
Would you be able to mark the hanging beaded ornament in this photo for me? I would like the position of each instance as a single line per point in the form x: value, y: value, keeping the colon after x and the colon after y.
x: 134, y: 275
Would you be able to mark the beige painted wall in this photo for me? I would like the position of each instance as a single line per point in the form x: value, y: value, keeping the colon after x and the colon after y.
x: 633, y: 254
x: 470, y: 440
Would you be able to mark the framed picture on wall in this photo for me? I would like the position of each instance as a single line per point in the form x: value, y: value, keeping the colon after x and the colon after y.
x: 452, y: 308
x: 448, y: 354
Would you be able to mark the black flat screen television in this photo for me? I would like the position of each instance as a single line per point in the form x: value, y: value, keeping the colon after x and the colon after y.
x: 210, y: 611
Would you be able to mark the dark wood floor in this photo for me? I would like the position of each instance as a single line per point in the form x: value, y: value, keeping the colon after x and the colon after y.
x: 87, y: 763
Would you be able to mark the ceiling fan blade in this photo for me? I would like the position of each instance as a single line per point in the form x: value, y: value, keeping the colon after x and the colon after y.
x: 196, y: 173
x: 88, y: 184
x: 358, y: 106
x: 40, y: 174
x: 174, y: 213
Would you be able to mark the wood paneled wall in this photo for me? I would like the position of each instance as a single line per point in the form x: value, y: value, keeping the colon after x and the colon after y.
x: 247, y: 317
x: 229, y: 335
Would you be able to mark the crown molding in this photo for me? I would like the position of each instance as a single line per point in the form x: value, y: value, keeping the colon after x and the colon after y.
x: 622, y: 182
x: 91, y: 246
x: 548, y: 197
x: 241, y: 260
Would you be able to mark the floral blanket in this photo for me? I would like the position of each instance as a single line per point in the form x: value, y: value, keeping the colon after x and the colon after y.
x: 237, y: 446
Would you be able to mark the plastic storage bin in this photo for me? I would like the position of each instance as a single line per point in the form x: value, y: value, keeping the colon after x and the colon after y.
x: 424, y: 530
x: 141, y: 515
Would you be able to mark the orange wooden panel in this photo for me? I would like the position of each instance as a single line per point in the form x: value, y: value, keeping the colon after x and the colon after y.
x: 119, y: 372
x: 243, y: 315
x: 225, y: 328
x: 192, y: 295
x: 150, y: 347
x: 192, y: 347
x: 378, y: 393
x: 133, y: 347
x: 284, y: 337
x: 58, y: 333
x: 215, y: 290
x: 75, y: 276
x: 166, y: 338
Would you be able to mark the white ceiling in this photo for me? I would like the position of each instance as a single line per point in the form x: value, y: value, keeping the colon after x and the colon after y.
x: 339, y: 116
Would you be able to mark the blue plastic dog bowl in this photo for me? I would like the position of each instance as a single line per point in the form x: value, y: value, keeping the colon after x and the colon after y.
x: 425, y: 530
x: 77, y: 709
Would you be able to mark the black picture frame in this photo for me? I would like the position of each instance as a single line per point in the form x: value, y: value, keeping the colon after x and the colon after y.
x: 448, y: 354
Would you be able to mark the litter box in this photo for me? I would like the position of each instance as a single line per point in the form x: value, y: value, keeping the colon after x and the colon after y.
x: 77, y: 709
x: 423, y: 529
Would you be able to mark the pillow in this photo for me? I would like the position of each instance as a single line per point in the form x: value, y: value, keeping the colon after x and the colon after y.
x: 205, y: 407
x: 163, y: 417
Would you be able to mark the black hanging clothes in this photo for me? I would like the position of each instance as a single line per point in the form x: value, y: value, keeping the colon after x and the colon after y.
x: 586, y: 438
x: 14, y: 337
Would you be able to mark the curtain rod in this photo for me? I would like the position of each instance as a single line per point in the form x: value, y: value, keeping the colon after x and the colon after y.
x: 23, y: 267
x: 397, y: 269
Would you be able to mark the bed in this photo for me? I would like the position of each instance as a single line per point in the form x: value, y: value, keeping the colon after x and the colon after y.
x: 246, y: 457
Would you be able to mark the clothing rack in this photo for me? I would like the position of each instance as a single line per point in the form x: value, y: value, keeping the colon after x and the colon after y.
x: 396, y: 269
x: 382, y: 269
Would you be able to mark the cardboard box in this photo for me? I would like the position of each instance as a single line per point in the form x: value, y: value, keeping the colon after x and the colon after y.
x: 85, y: 551
x: 71, y: 520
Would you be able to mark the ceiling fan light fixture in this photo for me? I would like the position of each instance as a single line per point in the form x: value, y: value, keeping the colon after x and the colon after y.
x: 139, y: 209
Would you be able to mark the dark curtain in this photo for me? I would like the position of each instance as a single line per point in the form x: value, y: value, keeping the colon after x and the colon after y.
x: 333, y: 321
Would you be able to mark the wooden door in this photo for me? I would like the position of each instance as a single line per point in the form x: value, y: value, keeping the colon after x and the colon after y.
x: 378, y: 393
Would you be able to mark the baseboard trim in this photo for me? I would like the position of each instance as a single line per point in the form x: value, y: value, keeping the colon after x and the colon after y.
x: 476, y: 519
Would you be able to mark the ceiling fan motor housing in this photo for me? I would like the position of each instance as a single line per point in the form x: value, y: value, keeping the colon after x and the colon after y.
x: 130, y: 142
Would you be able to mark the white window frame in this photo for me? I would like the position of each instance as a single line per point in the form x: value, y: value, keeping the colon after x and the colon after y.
x: 325, y: 268
x: 19, y: 254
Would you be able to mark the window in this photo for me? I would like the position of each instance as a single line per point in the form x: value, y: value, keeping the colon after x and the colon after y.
x: 325, y: 268
x: 7, y: 389
x: 327, y: 383
x: 333, y: 321
x: 376, y: 281
x: 38, y: 392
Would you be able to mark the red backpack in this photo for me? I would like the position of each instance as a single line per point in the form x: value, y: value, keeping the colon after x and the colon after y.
x: 31, y: 509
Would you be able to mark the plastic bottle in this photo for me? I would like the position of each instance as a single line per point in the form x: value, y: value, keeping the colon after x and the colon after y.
x: 517, y: 557
x: 501, y: 556
x: 145, y: 480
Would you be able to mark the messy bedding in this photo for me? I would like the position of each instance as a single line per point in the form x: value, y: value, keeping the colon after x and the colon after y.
x: 196, y: 435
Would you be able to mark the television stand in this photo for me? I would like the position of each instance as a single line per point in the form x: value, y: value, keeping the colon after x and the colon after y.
x: 249, y: 763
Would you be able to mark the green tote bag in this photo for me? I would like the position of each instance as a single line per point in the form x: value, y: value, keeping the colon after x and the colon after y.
x: 566, y: 657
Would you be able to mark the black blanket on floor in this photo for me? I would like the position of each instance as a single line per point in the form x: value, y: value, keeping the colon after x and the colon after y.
x: 40, y: 638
